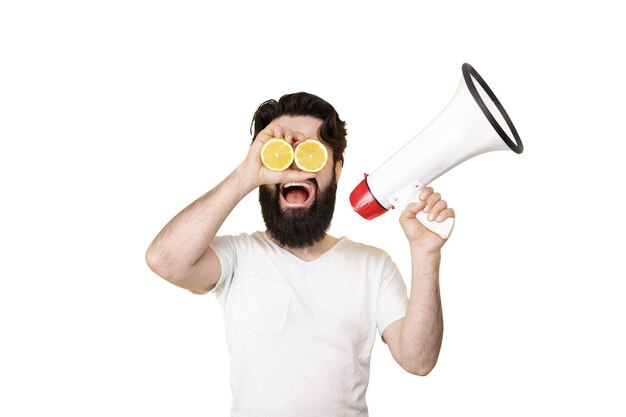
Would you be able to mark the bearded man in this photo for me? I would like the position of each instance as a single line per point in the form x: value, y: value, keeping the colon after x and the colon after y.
x: 301, y: 307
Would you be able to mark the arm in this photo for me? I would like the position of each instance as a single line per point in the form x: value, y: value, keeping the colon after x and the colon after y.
x: 415, y: 340
x: 180, y: 253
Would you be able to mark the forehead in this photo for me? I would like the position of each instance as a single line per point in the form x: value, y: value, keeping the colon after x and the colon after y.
x: 308, y: 125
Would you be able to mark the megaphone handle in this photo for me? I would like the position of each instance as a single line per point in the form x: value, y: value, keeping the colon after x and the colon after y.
x: 443, y: 228
x: 410, y: 194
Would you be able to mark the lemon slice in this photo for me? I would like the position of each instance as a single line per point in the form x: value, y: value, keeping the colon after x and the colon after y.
x: 311, y: 155
x: 277, y: 154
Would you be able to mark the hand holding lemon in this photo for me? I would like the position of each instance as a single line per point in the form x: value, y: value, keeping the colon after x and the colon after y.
x: 271, y: 156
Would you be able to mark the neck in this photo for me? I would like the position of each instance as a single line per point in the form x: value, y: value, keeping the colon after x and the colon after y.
x: 310, y: 253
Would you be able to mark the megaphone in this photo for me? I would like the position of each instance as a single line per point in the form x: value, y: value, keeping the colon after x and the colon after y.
x: 473, y: 122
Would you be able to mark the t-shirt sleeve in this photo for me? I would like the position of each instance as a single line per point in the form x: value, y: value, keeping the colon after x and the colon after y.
x: 392, y: 297
x: 225, y: 247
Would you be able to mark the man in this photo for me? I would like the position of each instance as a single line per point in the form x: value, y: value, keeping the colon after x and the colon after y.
x: 301, y: 307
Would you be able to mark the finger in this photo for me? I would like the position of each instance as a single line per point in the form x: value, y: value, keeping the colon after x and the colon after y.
x: 431, y: 201
x: 277, y: 132
x: 288, y: 135
x: 445, y: 214
x: 263, y: 136
x: 426, y: 192
x: 298, y: 138
x: 436, y: 209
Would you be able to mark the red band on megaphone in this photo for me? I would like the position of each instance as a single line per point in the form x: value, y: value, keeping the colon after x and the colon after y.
x: 364, y: 202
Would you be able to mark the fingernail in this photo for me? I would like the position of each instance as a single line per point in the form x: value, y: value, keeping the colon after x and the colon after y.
x: 423, y: 196
x: 431, y: 217
x: 439, y: 218
x: 426, y: 209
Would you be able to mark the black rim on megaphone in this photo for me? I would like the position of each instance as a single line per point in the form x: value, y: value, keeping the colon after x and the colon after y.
x: 468, y: 72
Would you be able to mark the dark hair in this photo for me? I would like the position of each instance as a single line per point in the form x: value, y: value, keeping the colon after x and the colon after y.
x: 332, y: 131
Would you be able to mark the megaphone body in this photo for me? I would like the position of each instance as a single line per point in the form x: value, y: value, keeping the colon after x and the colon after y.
x: 473, y: 122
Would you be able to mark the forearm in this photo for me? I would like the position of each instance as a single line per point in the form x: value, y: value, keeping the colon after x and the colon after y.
x: 422, y: 329
x: 187, y: 236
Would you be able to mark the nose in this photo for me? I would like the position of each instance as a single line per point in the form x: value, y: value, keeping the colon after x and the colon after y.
x: 295, y: 141
x: 294, y: 166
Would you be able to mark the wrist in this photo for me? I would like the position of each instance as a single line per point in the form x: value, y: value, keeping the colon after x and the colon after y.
x: 245, y: 180
x: 425, y: 265
x: 424, y: 250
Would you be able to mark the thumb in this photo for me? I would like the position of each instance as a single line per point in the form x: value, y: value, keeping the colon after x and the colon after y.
x: 412, y: 209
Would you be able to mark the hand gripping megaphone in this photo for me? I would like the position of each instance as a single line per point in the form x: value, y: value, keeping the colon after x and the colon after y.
x: 473, y: 122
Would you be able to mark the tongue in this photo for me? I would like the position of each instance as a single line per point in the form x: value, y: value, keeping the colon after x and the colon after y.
x: 296, y: 196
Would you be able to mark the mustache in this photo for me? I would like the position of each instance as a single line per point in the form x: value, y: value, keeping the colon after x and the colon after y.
x: 313, y: 180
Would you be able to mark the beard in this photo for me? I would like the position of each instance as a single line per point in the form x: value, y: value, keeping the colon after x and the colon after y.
x: 298, y: 227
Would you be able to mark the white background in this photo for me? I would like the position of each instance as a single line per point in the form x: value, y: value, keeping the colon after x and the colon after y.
x: 115, y: 115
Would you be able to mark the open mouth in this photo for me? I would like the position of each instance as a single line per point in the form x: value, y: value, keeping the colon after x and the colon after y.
x: 297, y: 194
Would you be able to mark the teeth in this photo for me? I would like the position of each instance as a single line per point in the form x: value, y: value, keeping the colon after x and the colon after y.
x: 297, y: 184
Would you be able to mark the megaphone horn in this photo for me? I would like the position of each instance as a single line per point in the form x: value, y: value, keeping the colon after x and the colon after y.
x: 473, y: 122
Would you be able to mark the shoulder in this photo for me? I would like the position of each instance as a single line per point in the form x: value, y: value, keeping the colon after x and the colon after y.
x: 374, y: 261
x: 241, y: 237
x: 365, y: 250
x: 237, y: 242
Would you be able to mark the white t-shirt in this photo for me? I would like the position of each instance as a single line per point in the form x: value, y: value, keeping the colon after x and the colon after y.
x: 300, y: 334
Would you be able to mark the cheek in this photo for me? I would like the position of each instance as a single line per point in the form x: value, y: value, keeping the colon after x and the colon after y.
x: 270, y: 189
x: 268, y: 194
x: 325, y: 176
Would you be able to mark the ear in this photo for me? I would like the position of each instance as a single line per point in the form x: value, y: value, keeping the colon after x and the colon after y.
x: 338, y: 168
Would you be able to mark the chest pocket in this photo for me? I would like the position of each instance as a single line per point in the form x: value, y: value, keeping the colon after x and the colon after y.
x: 265, y: 305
